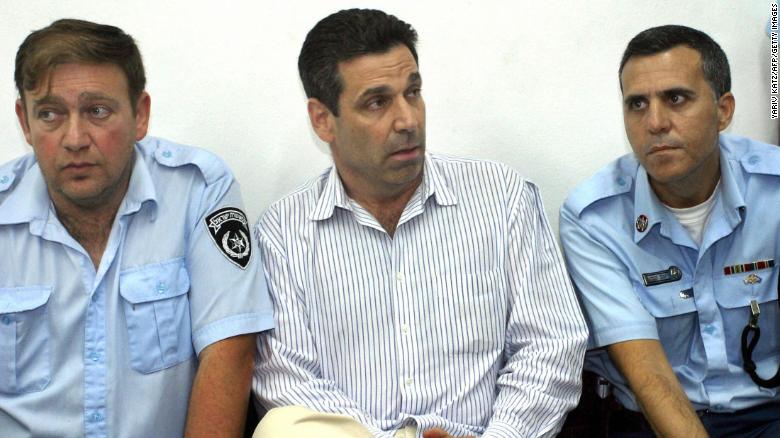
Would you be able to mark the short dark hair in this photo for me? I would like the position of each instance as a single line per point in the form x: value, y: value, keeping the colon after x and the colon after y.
x: 340, y: 37
x: 69, y: 40
x: 714, y: 63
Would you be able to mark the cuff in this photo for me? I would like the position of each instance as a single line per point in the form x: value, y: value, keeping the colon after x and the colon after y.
x: 232, y: 326
x: 500, y: 429
x: 614, y: 335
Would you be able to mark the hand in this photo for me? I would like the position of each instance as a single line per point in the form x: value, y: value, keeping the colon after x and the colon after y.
x: 439, y: 433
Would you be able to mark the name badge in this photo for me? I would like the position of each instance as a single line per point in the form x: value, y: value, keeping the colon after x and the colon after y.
x: 666, y: 276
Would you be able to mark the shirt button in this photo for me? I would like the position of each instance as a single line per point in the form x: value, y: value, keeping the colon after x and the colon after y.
x: 4, y: 179
x: 405, y: 329
x: 167, y: 154
x: 409, y: 381
x: 6, y: 319
x: 621, y: 181
x: 399, y: 276
x: 754, y: 159
x: 161, y: 288
x: 96, y: 417
x: 718, y: 407
x: 709, y: 329
x: 94, y: 357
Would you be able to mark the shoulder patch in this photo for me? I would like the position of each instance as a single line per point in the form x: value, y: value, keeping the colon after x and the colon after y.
x: 229, y: 230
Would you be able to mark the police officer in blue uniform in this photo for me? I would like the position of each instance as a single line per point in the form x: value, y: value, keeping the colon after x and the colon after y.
x: 130, y: 290
x: 674, y: 251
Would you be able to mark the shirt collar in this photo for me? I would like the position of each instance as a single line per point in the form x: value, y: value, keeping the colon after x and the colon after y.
x: 141, y: 187
x: 647, y: 205
x: 334, y: 194
x: 435, y: 183
x: 732, y: 184
x: 648, y: 210
x: 29, y: 200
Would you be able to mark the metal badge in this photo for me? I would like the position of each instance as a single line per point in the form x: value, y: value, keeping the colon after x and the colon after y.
x: 666, y: 276
x: 603, y: 387
x: 755, y: 312
x: 686, y: 294
x: 641, y: 223
x: 752, y: 279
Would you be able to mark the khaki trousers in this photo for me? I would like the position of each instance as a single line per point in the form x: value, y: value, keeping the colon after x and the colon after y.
x: 300, y: 422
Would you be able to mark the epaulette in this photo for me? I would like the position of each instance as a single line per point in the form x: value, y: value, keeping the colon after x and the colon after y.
x: 614, y: 179
x: 12, y: 171
x: 171, y: 154
x: 754, y: 156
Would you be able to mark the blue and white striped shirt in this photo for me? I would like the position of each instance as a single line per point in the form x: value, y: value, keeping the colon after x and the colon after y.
x: 464, y: 319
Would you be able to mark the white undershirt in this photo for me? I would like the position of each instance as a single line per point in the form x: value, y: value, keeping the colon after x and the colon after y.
x: 694, y: 219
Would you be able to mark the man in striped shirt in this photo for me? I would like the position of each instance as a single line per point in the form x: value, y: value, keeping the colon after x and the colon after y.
x: 415, y: 294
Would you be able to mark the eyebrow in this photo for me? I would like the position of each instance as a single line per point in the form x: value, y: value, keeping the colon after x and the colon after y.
x: 89, y: 96
x: 413, y: 79
x: 680, y: 90
x: 85, y: 96
x: 675, y: 90
x: 48, y: 99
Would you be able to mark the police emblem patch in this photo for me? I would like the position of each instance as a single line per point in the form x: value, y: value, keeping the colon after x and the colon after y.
x: 229, y: 230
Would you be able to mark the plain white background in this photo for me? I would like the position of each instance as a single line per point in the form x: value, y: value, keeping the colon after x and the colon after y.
x: 531, y: 84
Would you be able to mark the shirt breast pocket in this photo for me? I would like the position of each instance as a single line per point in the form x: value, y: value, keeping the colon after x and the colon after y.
x: 734, y: 294
x: 24, y: 339
x: 666, y: 300
x: 674, y: 308
x: 157, y: 313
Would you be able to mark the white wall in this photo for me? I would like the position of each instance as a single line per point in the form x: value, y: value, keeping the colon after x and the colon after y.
x: 532, y: 84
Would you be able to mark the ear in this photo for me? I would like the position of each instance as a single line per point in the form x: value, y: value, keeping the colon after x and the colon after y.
x: 322, y: 120
x: 726, y: 105
x: 22, y: 117
x: 142, y: 111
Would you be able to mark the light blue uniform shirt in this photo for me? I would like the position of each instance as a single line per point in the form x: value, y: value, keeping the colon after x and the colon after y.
x: 112, y: 351
x: 699, y: 318
x: 464, y: 319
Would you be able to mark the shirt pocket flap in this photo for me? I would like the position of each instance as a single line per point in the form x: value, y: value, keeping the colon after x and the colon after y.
x: 22, y: 299
x: 154, y: 282
x: 665, y: 300
x: 737, y: 290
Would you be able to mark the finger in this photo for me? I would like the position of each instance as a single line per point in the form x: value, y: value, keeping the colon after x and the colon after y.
x: 436, y: 433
